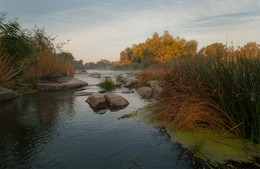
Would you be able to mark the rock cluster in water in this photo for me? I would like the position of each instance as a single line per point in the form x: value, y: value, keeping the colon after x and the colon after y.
x: 152, y: 92
x: 110, y: 101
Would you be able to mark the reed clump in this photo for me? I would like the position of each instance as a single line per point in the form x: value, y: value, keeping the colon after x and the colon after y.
x: 217, y: 93
x: 7, y: 72
x: 108, y: 84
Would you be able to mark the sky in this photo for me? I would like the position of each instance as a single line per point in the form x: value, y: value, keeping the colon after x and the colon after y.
x: 101, y: 29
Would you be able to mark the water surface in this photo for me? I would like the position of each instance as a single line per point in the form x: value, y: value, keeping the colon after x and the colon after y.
x: 60, y: 130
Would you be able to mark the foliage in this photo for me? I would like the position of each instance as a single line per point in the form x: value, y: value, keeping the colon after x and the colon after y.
x: 107, y: 84
x: 102, y: 64
x: 159, y: 48
x: 28, y: 55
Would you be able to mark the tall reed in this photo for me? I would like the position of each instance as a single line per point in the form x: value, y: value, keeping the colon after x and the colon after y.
x: 218, y: 93
x: 46, y: 62
x: 7, y: 72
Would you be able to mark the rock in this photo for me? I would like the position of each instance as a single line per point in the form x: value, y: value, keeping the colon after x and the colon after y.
x: 145, y: 92
x: 107, y: 77
x: 127, y: 91
x: 124, y: 79
x: 157, y: 89
x: 118, y: 84
x: 97, y: 102
x: 81, y: 72
x: 53, y: 76
x: 84, y: 93
x: 6, y: 94
x: 116, y: 102
x: 157, y: 92
x: 81, y: 88
x: 59, y: 81
x: 129, y: 81
x: 153, y: 84
x: 102, y: 91
x: 95, y: 74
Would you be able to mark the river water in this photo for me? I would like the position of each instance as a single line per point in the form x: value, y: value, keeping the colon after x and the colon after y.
x: 60, y: 130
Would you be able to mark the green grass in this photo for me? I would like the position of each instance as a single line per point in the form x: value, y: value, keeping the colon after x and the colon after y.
x: 108, y: 84
x: 118, y: 78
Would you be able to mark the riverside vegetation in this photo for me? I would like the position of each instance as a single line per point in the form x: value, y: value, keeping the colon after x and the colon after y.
x: 27, y: 55
x: 215, y: 89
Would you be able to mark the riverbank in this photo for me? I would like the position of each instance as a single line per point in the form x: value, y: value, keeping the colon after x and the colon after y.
x: 208, y: 147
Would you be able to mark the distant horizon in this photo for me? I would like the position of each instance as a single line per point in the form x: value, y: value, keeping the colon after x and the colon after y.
x: 101, y: 30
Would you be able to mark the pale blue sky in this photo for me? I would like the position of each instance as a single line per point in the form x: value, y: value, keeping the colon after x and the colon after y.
x: 103, y: 28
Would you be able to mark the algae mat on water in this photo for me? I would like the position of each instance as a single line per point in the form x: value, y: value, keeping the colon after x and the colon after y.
x: 208, y: 145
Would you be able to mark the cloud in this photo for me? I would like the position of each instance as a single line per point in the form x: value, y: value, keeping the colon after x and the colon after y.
x: 101, y: 29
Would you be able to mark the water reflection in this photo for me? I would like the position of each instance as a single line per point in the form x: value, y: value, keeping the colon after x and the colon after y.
x: 60, y: 130
x: 29, y: 122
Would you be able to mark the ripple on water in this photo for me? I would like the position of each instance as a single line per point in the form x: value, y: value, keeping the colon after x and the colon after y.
x: 59, y: 130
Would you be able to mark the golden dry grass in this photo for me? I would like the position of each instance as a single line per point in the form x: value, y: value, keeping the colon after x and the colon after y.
x: 7, y: 72
x: 182, y: 107
x: 47, y: 63
x: 151, y: 74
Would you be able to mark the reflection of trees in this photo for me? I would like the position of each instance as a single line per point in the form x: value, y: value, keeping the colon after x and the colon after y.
x: 28, y: 122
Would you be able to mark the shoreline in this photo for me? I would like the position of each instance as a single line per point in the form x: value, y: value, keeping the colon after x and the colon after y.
x: 207, y: 147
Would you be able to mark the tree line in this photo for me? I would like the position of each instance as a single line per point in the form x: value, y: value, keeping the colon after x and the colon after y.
x: 166, y: 47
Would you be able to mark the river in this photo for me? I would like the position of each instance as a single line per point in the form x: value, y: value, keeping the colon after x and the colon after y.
x: 60, y: 130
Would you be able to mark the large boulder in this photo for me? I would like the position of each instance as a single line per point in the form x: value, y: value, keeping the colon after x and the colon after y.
x: 6, y: 94
x: 129, y: 81
x: 157, y: 89
x: 145, y: 92
x: 97, y: 102
x: 59, y: 81
x: 95, y: 74
x: 116, y: 102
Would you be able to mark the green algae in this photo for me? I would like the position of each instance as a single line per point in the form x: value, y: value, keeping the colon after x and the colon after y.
x: 208, y: 145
